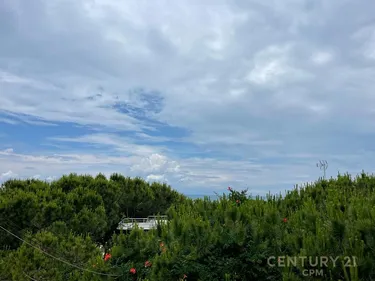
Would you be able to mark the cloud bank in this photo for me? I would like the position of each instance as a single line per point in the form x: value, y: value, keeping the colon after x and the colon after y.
x: 199, y: 95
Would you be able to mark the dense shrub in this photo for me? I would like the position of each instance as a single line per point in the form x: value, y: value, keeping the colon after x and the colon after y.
x: 231, y: 238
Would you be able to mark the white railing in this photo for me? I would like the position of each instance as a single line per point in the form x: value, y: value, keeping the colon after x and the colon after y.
x: 134, y: 220
x: 140, y: 220
x: 145, y: 223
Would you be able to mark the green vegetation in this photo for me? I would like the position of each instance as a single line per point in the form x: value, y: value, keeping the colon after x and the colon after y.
x: 51, y: 231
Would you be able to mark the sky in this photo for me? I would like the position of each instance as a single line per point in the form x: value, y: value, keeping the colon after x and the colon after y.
x: 199, y: 94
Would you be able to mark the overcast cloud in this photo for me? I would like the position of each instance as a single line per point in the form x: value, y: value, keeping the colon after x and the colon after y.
x: 199, y: 94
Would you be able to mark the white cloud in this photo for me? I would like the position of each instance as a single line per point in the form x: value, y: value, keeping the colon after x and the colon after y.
x: 239, y: 79
x: 156, y: 163
x: 267, y: 72
x: 58, y: 164
x: 13, y: 79
x: 120, y: 144
x: 50, y: 178
x: 7, y: 175
x: 366, y: 35
x: 321, y: 58
x: 190, y: 174
x: 156, y: 178
x: 7, y: 151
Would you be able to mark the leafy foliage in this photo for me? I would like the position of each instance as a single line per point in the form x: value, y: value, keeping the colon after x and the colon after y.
x: 231, y: 238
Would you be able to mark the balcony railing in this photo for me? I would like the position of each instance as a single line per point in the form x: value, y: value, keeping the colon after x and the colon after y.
x: 145, y: 223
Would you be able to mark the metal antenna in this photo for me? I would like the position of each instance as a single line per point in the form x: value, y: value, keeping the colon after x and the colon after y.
x: 322, y: 165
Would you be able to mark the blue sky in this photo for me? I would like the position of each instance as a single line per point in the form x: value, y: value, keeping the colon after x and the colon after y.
x: 200, y: 94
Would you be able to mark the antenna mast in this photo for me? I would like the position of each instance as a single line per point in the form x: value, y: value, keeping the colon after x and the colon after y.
x: 322, y: 165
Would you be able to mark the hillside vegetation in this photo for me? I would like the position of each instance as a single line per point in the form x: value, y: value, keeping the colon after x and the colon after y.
x: 52, y: 231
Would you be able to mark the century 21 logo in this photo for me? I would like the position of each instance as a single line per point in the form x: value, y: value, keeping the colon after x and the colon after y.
x: 315, y: 264
x: 311, y: 261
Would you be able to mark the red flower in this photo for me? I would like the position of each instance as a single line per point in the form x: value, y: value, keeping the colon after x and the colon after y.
x: 161, y: 244
x: 107, y: 256
x: 238, y: 201
x: 133, y: 270
x: 229, y: 188
x: 148, y: 264
x: 285, y: 220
